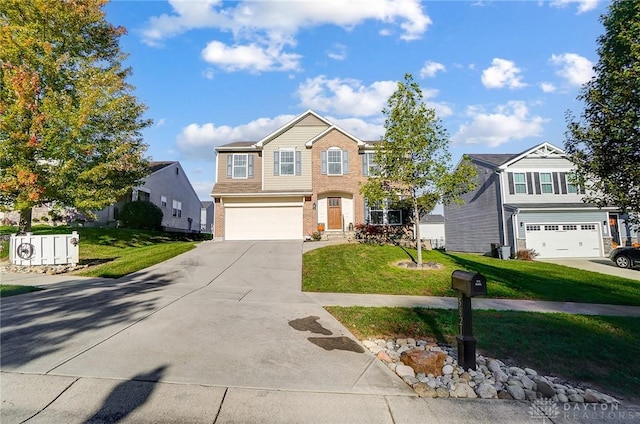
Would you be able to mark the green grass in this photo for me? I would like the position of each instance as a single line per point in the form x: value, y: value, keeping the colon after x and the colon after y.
x: 7, y: 290
x: 599, y: 350
x: 361, y: 268
x: 115, y: 252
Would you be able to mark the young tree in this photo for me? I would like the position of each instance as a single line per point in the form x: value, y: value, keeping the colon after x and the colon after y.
x: 413, y: 159
x: 605, y: 143
x: 69, y: 122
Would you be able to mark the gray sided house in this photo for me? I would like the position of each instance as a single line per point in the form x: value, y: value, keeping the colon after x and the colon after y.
x: 528, y: 201
x: 168, y: 187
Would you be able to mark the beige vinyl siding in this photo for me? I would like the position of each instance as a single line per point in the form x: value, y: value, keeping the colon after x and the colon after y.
x: 222, y: 168
x: 295, y: 137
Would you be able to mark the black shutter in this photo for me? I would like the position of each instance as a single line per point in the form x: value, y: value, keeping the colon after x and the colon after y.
x: 556, y: 184
x: 536, y: 176
x: 563, y: 183
x: 529, y: 183
x: 512, y: 189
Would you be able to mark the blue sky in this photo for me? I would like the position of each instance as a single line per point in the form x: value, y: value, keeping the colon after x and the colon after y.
x: 500, y: 74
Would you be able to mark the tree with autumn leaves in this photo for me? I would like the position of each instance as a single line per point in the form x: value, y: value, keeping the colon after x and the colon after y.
x: 70, y: 126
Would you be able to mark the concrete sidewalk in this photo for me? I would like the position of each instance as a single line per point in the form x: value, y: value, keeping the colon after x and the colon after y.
x: 349, y: 299
x: 220, y: 334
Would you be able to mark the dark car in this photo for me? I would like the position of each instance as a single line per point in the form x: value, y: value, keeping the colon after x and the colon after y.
x: 625, y: 257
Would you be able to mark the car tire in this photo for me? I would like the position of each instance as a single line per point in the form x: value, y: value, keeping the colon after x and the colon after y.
x: 623, y: 261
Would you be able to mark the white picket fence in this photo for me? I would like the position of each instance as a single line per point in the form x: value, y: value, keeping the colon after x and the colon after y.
x: 51, y: 249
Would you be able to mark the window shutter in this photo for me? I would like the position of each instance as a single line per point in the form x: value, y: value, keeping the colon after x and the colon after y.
x: 365, y: 167
x: 512, y: 189
x: 345, y: 162
x: 367, y: 218
x: 529, y: 183
x: 536, y: 176
x: 249, y: 166
x: 229, y: 166
x: 323, y: 162
x: 276, y: 163
x: 298, y: 162
x: 556, y: 184
x: 563, y: 183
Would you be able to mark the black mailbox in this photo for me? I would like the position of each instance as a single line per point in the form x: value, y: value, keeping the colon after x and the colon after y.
x: 469, y: 283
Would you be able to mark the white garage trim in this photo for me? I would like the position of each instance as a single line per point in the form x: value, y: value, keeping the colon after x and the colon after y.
x: 254, y: 220
x: 565, y: 239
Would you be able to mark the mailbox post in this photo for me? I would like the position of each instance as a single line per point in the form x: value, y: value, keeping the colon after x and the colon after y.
x: 468, y: 284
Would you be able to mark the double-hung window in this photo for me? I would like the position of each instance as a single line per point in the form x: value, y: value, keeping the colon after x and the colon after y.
x: 520, y: 182
x: 334, y: 162
x: 546, y: 184
x: 240, y: 165
x: 177, y: 209
x: 369, y: 165
x: 287, y: 162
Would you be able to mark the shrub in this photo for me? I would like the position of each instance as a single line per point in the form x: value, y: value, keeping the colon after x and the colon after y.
x: 526, y: 254
x: 316, y: 236
x: 141, y: 215
x: 381, y: 234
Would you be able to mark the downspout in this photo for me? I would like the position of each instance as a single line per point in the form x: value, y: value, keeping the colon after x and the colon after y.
x: 501, y: 209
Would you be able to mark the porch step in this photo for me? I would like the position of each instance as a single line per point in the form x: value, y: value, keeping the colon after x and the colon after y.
x: 332, y: 235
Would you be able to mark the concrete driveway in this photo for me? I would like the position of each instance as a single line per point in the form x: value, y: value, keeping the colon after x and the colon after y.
x: 601, y: 265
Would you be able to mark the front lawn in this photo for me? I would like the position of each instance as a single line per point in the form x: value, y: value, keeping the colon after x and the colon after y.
x: 12, y: 290
x: 601, y: 350
x: 115, y: 252
x: 362, y: 268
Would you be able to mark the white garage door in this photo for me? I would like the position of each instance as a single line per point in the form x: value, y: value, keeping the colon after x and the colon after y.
x: 571, y: 240
x: 263, y: 223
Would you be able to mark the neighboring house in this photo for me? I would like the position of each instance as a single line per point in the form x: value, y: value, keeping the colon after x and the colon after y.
x: 283, y: 186
x: 432, y: 229
x: 206, y: 217
x: 168, y: 187
x: 527, y: 201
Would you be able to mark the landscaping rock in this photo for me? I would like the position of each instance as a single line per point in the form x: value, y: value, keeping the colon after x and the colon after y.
x: 428, y: 362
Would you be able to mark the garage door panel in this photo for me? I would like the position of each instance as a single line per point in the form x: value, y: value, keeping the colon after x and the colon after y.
x: 566, y: 240
x: 263, y: 223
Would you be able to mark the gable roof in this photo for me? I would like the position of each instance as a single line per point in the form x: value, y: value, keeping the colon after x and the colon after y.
x: 328, y: 130
x: 291, y: 124
x: 494, y: 160
x: 541, y: 150
x: 156, y: 166
x: 237, y: 145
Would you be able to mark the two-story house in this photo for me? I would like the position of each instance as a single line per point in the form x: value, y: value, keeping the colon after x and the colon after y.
x: 305, y: 174
x: 528, y: 201
x: 168, y: 187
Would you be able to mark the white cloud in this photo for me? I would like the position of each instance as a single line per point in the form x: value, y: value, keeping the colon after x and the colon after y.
x: 364, y: 130
x: 430, y: 69
x: 197, y: 141
x: 338, y: 52
x: 502, y: 73
x: 250, y: 57
x: 203, y: 188
x: 507, y: 122
x: 345, y: 96
x: 583, y: 5
x: 576, y: 69
x: 265, y: 27
x: 161, y: 122
x: 547, y: 87
x: 349, y: 97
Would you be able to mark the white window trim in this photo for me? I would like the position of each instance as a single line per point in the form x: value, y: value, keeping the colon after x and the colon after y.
x: 163, y: 201
x: 234, y: 166
x: 176, y: 211
x: 546, y: 183
x: 330, y: 150
x: 372, y: 165
x: 516, y: 183
x: 293, y: 161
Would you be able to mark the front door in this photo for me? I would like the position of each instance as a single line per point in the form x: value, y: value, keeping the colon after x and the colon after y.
x: 335, y: 213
